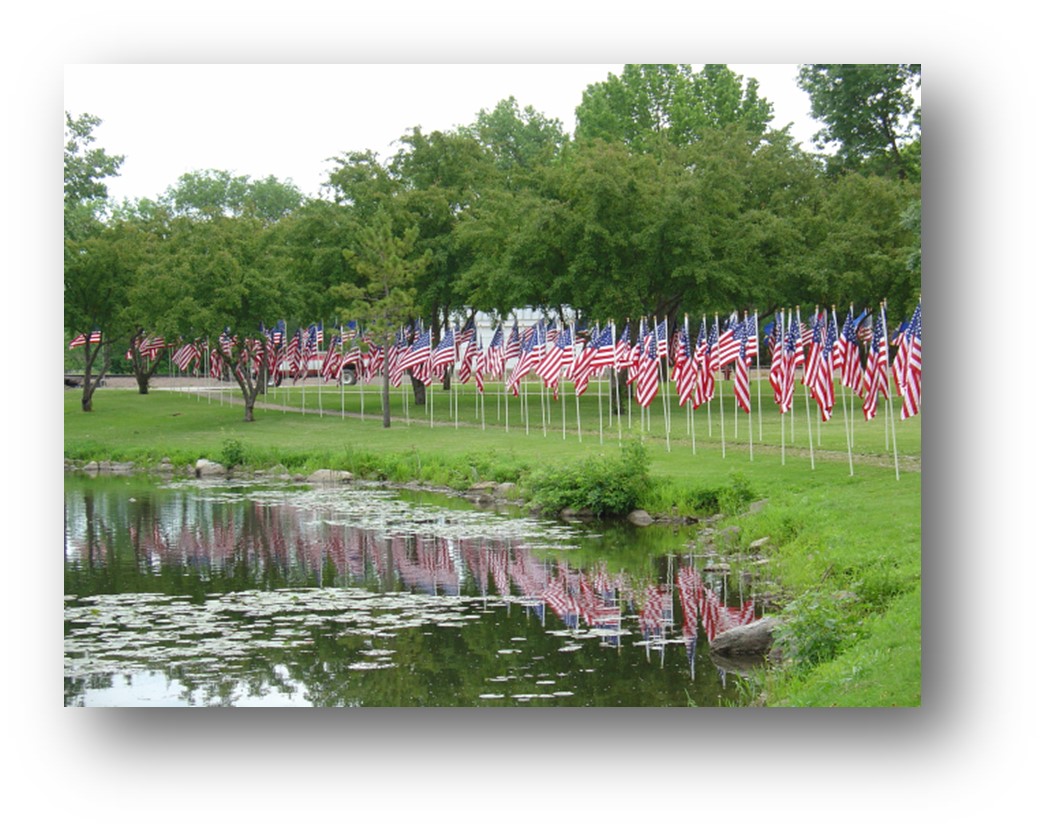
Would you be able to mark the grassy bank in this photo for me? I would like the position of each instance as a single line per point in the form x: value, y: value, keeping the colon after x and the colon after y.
x: 844, y: 548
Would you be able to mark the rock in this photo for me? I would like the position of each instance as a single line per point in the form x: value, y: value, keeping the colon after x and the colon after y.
x: 92, y: 465
x: 640, y: 518
x: 205, y: 467
x: 325, y: 476
x: 504, y: 489
x: 756, y: 545
x: 729, y: 535
x: 720, y: 568
x: 576, y: 514
x: 753, y: 639
x: 757, y: 506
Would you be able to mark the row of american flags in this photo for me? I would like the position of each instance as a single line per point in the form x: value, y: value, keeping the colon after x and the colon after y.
x: 582, y: 597
x: 812, y: 350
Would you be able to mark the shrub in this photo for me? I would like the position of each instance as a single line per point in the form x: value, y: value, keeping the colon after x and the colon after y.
x: 816, y: 626
x: 734, y: 497
x: 233, y: 453
x: 606, y: 486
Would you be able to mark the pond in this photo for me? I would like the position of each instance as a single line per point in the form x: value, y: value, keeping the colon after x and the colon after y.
x: 220, y: 593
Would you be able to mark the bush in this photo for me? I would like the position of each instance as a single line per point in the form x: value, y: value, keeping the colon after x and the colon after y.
x: 608, y: 487
x: 815, y: 628
x: 734, y: 497
x: 233, y: 453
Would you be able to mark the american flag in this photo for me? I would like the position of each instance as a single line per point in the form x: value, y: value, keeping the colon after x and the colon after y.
x: 514, y: 344
x: 850, y: 356
x: 910, y: 396
x: 82, y: 339
x: 818, y: 328
x: 875, y: 370
x: 647, y: 381
x: 729, y: 345
x: 333, y: 358
x: 471, y: 362
x: 295, y: 354
x: 185, y: 355
x: 687, y: 378
x: 494, y: 355
x: 622, y: 352
x: 603, y: 354
x: 444, y: 353
x: 747, y: 339
x: 662, y: 338
x: 580, y: 369
x: 822, y: 389
x: 777, y: 340
x: 557, y: 357
x: 702, y: 357
x: 792, y: 359
x: 635, y: 358
x: 418, y: 355
x: 526, y: 358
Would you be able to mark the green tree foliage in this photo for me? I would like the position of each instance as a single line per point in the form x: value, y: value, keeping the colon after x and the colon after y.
x: 85, y: 169
x: 387, y: 299
x: 650, y: 105
x: 861, y: 250
x: 96, y: 267
x: 870, y: 114
x: 212, y: 276
x: 214, y: 193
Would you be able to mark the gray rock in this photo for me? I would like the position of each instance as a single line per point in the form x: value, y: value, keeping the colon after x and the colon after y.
x: 753, y: 639
x: 206, y: 467
x: 325, y: 476
x: 757, y: 506
x: 504, y: 489
x: 756, y: 545
x: 640, y: 518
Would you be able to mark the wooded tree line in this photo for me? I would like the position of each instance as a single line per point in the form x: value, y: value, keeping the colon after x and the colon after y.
x: 673, y: 196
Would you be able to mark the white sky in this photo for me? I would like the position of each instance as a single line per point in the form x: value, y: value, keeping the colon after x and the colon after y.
x: 289, y: 119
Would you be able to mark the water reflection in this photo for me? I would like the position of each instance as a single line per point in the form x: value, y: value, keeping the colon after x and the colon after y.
x: 249, y: 595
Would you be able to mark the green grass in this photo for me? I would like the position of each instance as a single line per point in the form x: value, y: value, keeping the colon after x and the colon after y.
x: 847, y: 544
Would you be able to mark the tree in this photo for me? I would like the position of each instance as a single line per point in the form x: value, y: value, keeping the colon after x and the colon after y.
x: 387, y: 300
x: 651, y: 105
x: 85, y: 170
x: 860, y: 249
x: 870, y: 114
x: 213, y: 193
x: 217, y: 279
x: 95, y: 271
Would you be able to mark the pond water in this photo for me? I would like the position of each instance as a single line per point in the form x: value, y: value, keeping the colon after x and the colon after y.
x: 216, y: 593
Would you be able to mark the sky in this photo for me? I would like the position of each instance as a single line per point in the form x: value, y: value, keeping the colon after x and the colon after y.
x: 288, y: 120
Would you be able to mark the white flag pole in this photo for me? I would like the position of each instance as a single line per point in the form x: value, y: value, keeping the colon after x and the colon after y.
x: 890, y: 384
x: 806, y: 401
x: 758, y: 372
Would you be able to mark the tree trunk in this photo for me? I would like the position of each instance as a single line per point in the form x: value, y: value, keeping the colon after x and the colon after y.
x: 419, y: 391
x: 143, y: 380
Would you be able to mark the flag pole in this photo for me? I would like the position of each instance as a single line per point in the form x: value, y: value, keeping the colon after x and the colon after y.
x: 696, y: 383
x: 890, y: 383
x: 758, y: 372
x: 722, y: 414
x: 843, y: 393
x: 599, y: 388
x: 806, y: 401
x: 667, y: 411
x: 615, y: 380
